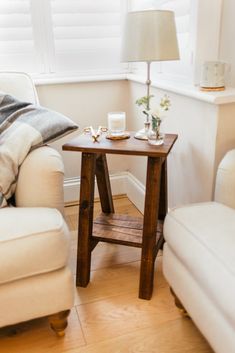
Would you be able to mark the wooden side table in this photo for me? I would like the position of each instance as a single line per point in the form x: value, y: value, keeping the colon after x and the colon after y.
x: 119, y: 229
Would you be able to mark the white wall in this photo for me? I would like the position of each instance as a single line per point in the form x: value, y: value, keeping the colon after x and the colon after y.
x: 206, y: 132
x: 227, y: 47
x: 86, y: 104
x: 191, y: 162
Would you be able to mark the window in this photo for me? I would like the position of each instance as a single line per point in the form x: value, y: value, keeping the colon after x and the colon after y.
x: 83, y: 37
x: 61, y: 36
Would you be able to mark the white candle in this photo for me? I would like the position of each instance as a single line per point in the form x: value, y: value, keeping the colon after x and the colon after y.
x: 117, y: 123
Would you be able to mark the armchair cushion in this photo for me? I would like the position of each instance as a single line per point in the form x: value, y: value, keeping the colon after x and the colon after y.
x: 37, y: 245
x: 24, y: 126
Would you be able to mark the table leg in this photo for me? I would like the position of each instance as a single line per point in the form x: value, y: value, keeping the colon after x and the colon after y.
x: 163, y: 206
x: 163, y: 203
x: 152, y: 197
x: 85, y: 219
x: 103, y: 182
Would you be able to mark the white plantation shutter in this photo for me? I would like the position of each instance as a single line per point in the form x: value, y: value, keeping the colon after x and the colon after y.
x: 63, y: 37
x: 181, y: 69
x: 182, y: 10
x: 82, y: 37
x: 17, y: 49
x: 87, y: 35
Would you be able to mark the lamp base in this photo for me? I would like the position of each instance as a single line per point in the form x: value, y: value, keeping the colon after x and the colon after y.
x: 143, y: 133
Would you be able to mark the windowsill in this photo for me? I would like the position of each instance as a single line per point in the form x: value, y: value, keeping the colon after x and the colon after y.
x: 50, y: 80
x: 222, y: 97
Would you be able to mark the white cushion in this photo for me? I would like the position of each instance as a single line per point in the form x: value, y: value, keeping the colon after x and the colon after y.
x: 32, y: 241
x: 202, y: 234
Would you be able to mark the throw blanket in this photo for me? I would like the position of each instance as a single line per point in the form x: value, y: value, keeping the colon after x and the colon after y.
x: 24, y: 127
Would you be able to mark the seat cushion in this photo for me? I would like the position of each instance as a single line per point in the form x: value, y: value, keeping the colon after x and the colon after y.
x: 202, y: 236
x: 32, y: 241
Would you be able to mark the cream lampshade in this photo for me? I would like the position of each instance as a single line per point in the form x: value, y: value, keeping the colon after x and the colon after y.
x: 149, y: 36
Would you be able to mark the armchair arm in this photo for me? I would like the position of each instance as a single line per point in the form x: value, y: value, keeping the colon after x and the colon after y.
x: 225, y: 180
x: 40, y: 180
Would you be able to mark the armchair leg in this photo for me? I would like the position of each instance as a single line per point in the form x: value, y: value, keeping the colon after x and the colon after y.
x: 59, y: 322
x: 179, y: 305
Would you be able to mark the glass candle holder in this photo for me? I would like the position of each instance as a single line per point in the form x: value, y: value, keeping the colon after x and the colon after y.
x: 117, y: 123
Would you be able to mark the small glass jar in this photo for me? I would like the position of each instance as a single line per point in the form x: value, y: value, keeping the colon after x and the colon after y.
x: 155, y: 137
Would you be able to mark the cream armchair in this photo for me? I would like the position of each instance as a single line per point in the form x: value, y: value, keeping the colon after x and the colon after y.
x: 199, y: 259
x: 35, y: 280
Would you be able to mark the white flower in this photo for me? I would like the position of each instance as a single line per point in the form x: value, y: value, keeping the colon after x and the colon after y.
x: 165, y: 103
x: 157, y: 113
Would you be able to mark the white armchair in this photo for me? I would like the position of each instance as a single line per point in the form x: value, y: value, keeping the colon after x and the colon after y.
x: 199, y: 259
x: 35, y: 280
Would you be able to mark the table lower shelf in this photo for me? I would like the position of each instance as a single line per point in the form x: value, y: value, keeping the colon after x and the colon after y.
x: 122, y: 229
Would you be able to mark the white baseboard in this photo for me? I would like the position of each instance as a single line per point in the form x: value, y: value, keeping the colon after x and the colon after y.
x: 121, y: 183
x: 71, y: 189
x: 135, y: 191
x: 72, y: 186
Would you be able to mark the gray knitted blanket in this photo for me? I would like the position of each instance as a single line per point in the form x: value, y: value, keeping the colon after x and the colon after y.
x: 23, y: 127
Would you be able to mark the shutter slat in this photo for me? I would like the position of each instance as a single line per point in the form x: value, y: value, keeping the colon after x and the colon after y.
x: 107, y: 61
x: 77, y: 19
x: 16, y: 34
x: 70, y: 6
x: 86, y: 44
x: 14, y: 6
x: 73, y: 32
x: 14, y: 47
x: 15, y: 20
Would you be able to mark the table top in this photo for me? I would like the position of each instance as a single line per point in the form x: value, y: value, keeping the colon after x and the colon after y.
x: 131, y: 146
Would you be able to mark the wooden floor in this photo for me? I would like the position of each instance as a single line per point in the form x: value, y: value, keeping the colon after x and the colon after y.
x: 107, y: 316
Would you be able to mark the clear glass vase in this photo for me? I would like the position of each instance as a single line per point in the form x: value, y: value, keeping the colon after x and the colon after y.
x: 155, y: 136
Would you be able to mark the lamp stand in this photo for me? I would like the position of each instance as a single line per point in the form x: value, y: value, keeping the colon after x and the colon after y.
x: 143, y: 133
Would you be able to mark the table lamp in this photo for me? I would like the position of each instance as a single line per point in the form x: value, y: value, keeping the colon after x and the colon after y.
x: 149, y: 36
